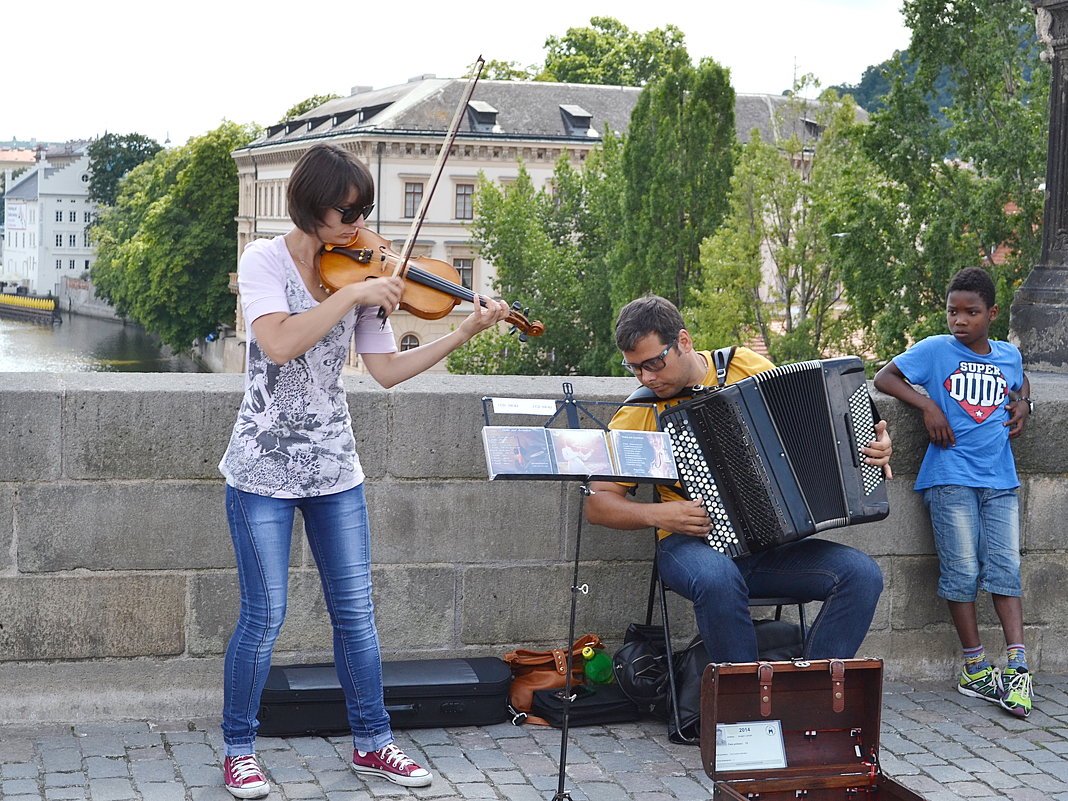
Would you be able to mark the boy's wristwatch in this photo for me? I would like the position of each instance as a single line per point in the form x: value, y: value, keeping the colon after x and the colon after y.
x: 1030, y: 404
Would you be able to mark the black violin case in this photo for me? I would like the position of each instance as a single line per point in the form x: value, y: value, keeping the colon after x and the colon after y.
x: 421, y: 693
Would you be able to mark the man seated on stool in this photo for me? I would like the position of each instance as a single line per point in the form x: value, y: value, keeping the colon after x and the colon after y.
x: 658, y: 349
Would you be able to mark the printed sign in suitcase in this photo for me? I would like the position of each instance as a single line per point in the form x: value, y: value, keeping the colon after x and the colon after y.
x: 788, y: 730
x: 307, y: 699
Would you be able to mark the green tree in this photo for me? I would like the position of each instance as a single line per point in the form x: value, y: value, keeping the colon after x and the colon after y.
x: 676, y: 165
x: 306, y: 105
x: 111, y: 157
x: 608, y: 52
x: 955, y: 195
x: 770, y: 269
x: 164, y: 251
x: 549, y: 253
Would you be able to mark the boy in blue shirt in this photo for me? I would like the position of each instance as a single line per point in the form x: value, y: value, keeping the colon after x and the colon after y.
x: 977, y: 400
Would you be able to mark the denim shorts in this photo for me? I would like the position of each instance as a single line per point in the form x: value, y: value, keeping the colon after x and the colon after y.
x: 977, y: 536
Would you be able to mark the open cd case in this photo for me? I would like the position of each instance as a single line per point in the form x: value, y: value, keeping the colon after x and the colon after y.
x: 536, y: 452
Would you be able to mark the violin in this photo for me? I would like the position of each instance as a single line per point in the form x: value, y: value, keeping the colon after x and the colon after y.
x: 432, y: 287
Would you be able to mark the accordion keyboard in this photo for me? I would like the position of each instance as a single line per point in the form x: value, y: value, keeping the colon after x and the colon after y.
x: 863, y: 430
x: 698, y: 479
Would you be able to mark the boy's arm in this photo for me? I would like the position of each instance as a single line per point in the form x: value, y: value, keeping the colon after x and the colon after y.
x: 1019, y: 412
x: 892, y: 381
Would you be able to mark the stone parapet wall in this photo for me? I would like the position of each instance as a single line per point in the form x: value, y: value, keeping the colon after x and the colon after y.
x: 116, y: 568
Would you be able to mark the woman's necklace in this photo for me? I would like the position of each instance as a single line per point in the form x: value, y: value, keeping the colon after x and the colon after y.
x: 306, y: 267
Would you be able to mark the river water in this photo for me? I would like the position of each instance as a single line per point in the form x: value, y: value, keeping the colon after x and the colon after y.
x: 85, y: 344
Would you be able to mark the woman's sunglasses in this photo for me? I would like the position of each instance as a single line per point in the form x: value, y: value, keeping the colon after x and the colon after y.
x: 351, y: 215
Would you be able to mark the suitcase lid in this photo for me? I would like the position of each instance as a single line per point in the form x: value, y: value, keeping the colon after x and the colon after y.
x: 829, y: 712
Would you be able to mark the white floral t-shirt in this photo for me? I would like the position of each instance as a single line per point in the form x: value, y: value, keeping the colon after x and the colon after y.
x: 293, y: 436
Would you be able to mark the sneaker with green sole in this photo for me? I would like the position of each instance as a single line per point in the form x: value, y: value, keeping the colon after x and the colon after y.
x: 1017, y: 697
x: 985, y: 684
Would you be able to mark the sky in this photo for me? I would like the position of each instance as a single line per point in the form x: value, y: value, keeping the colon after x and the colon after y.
x: 174, y: 71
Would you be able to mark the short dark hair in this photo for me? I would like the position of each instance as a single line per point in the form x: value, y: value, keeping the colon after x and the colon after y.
x: 324, y: 178
x: 977, y: 280
x: 649, y: 314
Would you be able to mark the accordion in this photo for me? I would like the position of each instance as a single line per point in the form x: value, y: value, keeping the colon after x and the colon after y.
x: 776, y: 457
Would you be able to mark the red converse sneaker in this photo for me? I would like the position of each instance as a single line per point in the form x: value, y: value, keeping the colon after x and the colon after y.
x: 393, y: 764
x: 244, y: 777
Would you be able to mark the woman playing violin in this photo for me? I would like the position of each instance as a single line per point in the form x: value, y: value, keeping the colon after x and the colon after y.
x: 292, y: 447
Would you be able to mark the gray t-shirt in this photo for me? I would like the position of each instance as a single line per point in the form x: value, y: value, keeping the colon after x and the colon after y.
x: 293, y: 436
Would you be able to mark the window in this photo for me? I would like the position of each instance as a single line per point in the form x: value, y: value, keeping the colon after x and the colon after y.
x: 72, y: 240
x: 59, y: 264
x: 87, y: 217
x: 413, y: 198
x: 409, y: 342
x: 465, y: 267
x: 87, y: 264
x: 59, y: 216
x: 73, y: 216
x: 59, y: 240
x: 465, y: 207
x: 72, y: 264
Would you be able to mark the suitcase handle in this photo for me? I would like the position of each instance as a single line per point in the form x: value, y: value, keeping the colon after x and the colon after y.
x: 400, y: 709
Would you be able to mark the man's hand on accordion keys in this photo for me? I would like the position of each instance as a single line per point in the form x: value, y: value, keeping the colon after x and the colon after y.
x: 686, y: 517
x: 878, y: 451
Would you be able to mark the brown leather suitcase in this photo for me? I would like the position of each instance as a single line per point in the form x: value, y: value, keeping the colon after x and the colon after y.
x: 829, y: 715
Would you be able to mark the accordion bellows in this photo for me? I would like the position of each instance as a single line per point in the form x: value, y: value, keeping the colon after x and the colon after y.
x: 776, y: 457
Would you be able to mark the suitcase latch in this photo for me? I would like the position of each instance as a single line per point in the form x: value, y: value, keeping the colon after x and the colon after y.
x: 765, y: 672
x: 837, y: 668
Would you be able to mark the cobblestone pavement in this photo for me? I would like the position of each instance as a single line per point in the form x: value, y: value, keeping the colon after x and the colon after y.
x: 942, y: 745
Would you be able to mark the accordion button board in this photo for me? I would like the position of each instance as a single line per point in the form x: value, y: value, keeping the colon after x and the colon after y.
x: 776, y: 457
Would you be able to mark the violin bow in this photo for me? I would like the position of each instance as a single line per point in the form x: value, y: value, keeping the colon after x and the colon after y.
x: 450, y: 137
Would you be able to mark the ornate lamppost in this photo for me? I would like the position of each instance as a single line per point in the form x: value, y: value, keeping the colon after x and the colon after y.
x: 1039, y: 321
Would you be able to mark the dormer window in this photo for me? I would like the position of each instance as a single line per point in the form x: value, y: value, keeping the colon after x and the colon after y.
x: 482, y: 117
x: 577, y: 121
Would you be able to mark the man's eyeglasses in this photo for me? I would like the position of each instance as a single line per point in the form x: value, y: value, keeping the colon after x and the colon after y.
x: 351, y: 215
x: 653, y: 365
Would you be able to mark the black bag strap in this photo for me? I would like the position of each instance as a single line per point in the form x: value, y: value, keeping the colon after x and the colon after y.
x: 721, y: 360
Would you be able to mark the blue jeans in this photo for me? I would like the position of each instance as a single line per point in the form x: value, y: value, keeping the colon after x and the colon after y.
x: 977, y: 536
x: 338, y: 532
x: 846, y: 580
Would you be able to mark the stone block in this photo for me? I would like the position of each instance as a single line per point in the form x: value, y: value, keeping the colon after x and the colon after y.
x: 463, y: 521
x: 1043, y: 510
x: 1044, y: 578
x: 147, y: 525
x: 906, y: 530
x: 31, y: 432
x: 414, y: 608
x: 370, y: 409
x: 493, y: 612
x: 1041, y: 448
x: 88, y: 617
x: 7, y: 527
x: 148, y: 425
x: 913, y: 602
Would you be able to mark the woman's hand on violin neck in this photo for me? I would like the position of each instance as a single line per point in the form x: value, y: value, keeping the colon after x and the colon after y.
x: 383, y: 292
x: 484, y: 317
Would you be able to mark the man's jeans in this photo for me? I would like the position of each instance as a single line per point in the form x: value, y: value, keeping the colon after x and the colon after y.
x: 261, y: 529
x: 846, y: 580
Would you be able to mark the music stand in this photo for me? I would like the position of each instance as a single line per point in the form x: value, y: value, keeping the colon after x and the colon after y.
x: 624, y: 463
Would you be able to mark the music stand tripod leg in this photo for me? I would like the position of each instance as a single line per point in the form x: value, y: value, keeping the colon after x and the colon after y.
x: 561, y: 793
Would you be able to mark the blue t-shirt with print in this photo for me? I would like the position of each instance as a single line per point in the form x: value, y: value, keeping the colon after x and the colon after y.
x: 972, y: 391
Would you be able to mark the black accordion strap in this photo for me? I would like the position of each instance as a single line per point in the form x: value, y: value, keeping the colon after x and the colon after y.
x: 722, y: 361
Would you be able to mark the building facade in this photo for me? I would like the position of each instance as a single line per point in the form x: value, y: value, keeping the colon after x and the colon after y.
x: 46, y: 216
